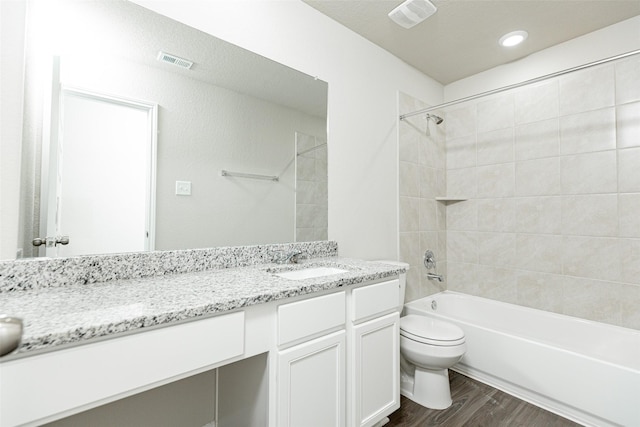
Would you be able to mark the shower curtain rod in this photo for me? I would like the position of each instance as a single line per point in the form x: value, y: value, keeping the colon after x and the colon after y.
x: 311, y: 149
x: 517, y: 85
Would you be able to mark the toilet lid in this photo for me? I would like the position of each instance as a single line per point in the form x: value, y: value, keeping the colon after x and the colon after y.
x: 430, y: 331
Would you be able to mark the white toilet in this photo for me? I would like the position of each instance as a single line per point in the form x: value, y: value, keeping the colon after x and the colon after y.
x: 428, y: 348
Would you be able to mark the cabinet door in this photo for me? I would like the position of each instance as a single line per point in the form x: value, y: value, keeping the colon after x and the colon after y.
x: 311, y: 383
x: 375, y: 369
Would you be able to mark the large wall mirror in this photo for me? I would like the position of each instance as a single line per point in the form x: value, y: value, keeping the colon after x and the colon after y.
x: 141, y: 133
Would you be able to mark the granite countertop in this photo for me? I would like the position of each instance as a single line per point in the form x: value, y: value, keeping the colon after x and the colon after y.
x: 67, y: 315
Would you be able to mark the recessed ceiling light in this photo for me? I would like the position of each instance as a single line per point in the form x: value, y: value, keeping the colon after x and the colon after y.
x: 513, y: 38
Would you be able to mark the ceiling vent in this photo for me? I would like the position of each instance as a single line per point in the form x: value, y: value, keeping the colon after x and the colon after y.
x: 172, y: 59
x: 412, y: 12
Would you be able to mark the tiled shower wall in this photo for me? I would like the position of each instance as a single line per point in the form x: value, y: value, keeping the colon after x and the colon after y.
x: 552, y: 176
x: 311, y: 188
x: 422, y: 178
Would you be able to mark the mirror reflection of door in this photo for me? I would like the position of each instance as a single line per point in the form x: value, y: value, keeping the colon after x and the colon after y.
x: 104, y: 194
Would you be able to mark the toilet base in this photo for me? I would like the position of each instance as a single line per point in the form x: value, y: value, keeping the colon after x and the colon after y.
x: 431, y: 388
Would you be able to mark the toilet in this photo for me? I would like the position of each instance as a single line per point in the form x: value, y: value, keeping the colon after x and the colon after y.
x: 428, y: 348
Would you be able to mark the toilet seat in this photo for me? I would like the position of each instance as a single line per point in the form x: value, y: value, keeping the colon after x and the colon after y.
x: 430, y: 331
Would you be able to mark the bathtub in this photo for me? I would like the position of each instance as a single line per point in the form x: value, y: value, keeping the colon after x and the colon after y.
x: 585, y: 371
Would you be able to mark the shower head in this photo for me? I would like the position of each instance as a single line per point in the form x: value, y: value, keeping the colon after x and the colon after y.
x: 436, y: 119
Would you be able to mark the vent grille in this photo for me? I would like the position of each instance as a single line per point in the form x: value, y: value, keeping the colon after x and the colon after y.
x: 175, y: 60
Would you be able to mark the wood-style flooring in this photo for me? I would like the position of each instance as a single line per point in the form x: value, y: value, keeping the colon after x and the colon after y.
x: 476, y: 405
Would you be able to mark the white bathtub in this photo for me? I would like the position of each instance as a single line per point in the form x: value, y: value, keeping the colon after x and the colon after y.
x: 586, y: 371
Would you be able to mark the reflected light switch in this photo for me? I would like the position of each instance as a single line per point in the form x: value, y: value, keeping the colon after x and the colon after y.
x: 183, y: 188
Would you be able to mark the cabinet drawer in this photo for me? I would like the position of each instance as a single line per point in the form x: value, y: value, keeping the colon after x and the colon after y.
x: 375, y: 299
x: 310, y: 317
x: 63, y: 381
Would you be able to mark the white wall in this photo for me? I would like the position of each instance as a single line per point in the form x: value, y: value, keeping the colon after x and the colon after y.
x: 610, y: 41
x: 362, y: 126
x: 11, y: 73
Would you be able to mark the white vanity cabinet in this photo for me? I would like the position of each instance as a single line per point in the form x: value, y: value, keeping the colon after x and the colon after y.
x: 324, y: 359
x: 374, y: 360
x: 339, y: 358
x: 311, y: 380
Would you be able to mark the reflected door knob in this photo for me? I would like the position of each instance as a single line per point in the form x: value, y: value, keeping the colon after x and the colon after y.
x: 38, y: 241
x: 50, y: 241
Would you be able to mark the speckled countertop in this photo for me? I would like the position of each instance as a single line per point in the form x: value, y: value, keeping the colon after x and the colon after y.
x: 63, y: 315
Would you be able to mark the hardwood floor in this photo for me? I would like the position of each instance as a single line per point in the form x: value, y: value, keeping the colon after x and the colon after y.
x: 476, y: 405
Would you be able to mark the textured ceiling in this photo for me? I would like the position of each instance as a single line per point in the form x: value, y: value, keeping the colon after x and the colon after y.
x: 461, y: 38
x: 127, y: 30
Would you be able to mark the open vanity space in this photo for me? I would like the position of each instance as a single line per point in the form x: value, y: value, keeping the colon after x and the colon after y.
x: 215, y: 337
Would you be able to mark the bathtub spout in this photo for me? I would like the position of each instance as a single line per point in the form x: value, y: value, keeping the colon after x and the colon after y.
x: 437, y: 277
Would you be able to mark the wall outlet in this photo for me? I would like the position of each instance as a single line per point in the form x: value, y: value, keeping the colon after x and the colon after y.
x: 183, y: 188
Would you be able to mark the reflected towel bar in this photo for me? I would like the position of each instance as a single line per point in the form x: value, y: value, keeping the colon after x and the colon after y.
x: 249, y: 175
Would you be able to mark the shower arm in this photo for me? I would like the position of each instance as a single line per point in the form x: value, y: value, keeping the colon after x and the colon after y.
x: 517, y: 85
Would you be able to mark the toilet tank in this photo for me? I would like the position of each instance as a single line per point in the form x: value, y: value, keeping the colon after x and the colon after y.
x: 403, y: 280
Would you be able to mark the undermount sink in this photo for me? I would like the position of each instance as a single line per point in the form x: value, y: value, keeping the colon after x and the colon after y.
x: 310, y: 273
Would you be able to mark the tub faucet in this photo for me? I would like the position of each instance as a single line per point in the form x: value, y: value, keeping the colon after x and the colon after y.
x: 437, y: 277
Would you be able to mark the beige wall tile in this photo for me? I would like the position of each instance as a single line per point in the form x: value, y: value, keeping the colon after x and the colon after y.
x: 422, y: 177
x: 630, y: 260
x: 591, y: 257
x: 496, y: 214
x: 592, y: 299
x: 462, y: 277
x: 540, y: 177
x: 409, y: 142
x: 541, y: 290
x: 429, y: 183
x: 462, y: 246
x: 629, y: 296
x: 441, y: 211
x: 461, y: 152
x: 462, y: 216
x: 627, y: 78
x: 496, y: 180
x: 497, y: 249
x: 462, y: 182
x: 414, y: 288
x: 435, y: 242
x: 587, y: 90
x: 590, y: 215
x: 587, y: 132
x: 409, y: 179
x: 537, y: 140
x: 432, y: 152
x: 409, y: 214
x: 539, y: 215
x: 496, y: 113
x: 628, y: 125
x: 629, y: 214
x: 539, y: 252
x: 428, y: 215
x: 537, y: 102
x: 497, y: 283
x: 629, y: 170
x: 589, y: 173
x: 495, y: 147
x: 410, y: 248
x: 461, y: 121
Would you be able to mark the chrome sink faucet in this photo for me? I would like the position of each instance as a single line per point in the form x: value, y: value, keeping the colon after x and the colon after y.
x: 291, y: 258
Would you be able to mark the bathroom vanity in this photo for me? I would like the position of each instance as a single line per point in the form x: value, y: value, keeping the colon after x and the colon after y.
x: 325, y: 332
